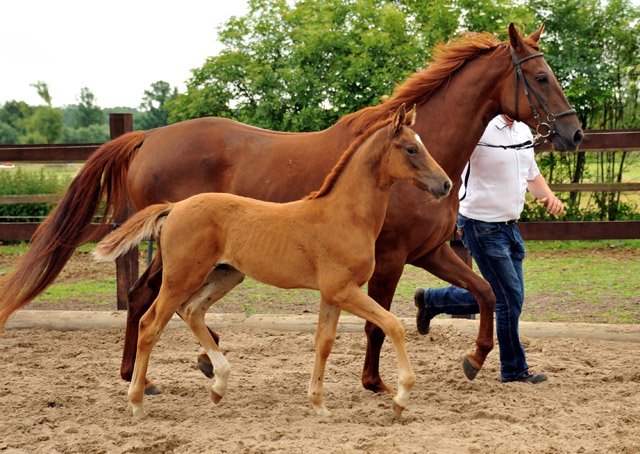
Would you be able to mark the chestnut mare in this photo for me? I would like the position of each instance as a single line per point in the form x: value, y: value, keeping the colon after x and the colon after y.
x: 324, y: 242
x: 469, y: 82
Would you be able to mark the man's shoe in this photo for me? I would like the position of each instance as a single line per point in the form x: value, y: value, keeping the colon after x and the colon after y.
x: 530, y: 377
x: 423, y: 319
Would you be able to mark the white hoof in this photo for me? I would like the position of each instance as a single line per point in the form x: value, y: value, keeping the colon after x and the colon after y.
x: 321, y: 411
x: 138, y: 412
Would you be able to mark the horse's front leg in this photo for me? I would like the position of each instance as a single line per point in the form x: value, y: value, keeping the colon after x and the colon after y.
x: 325, y: 336
x: 445, y: 264
x: 381, y: 287
x: 355, y: 301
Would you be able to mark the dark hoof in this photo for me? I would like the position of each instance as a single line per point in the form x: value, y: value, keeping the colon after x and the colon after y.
x: 205, y: 366
x: 470, y: 370
x: 151, y: 390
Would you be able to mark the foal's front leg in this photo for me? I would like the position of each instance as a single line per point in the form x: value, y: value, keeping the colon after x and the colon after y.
x: 352, y: 299
x: 326, y: 334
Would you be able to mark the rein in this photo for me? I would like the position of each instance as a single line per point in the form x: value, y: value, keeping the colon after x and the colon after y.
x: 544, y: 130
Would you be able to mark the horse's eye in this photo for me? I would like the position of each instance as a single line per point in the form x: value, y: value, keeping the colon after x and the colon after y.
x: 542, y: 79
x: 412, y: 150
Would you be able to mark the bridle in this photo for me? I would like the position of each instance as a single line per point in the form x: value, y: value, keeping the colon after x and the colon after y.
x: 544, y: 130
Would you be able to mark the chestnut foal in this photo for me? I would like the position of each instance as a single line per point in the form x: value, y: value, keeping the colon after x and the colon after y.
x: 326, y: 241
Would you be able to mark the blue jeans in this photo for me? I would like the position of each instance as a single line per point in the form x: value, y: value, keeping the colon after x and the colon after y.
x: 498, y: 250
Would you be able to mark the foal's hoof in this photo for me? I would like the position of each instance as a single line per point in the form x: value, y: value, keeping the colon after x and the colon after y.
x: 470, y: 369
x: 138, y: 412
x: 397, y: 411
x: 215, y: 397
x: 205, y: 366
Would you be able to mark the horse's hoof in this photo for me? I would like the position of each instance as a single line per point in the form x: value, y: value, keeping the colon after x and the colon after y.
x: 151, y: 390
x: 379, y: 387
x: 470, y: 370
x: 215, y: 397
x: 205, y: 366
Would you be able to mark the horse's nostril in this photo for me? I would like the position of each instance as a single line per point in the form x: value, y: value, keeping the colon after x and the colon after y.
x: 447, y: 186
x: 578, y: 136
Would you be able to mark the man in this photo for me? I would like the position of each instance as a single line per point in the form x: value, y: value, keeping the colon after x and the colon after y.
x: 492, y: 198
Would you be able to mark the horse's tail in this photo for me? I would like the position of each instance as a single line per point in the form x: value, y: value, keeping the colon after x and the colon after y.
x: 67, y: 227
x: 139, y: 227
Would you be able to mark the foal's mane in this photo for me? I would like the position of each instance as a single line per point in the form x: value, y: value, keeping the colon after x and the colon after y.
x: 337, y: 170
x: 447, y: 59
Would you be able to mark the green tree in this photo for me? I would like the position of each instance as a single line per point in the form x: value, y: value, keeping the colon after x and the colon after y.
x: 43, y: 91
x: 8, y: 134
x: 154, y: 105
x: 12, y: 121
x: 594, y: 49
x: 88, y: 113
x: 46, y: 125
x: 301, y: 67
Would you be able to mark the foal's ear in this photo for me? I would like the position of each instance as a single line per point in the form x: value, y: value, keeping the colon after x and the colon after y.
x: 398, y: 118
x: 535, y: 36
x: 411, y: 117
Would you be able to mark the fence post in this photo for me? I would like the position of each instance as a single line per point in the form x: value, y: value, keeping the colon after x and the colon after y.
x: 126, y: 265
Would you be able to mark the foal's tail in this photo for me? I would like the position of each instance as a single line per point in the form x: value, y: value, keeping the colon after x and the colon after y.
x: 139, y: 227
x: 67, y: 227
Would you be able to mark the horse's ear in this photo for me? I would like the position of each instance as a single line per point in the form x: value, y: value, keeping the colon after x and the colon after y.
x: 514, y: 38
x: 398, y: 117
x: 411, y: 117
x: 535, y: 36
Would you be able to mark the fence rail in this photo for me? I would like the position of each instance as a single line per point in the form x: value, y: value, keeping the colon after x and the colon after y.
x: 127, y: 267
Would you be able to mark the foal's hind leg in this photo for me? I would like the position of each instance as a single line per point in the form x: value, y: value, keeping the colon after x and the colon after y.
x: 326, y: 334
x: 151, y: 325
x: 219, y: 282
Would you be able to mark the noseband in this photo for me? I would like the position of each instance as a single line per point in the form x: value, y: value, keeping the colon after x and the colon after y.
x: 544, y: 129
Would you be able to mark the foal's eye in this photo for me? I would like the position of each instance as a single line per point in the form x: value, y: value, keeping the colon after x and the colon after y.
x: 542, y: 79
x: 412, y: 150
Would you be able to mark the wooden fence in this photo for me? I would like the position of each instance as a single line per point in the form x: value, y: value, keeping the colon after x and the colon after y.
x: 127, y: 266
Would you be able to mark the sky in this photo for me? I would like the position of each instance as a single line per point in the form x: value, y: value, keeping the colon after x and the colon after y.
x: 116, y: 48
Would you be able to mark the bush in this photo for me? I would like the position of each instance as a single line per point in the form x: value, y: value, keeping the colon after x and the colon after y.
x: 21, y: 182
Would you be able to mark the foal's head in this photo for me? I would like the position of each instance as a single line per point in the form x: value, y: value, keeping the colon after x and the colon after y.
x: 408, y: 158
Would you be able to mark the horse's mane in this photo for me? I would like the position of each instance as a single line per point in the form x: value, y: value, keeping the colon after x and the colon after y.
x: 447, y: 59
x: 337, y: 170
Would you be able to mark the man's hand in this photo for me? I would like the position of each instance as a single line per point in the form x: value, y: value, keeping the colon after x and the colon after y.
x: 554, y: 205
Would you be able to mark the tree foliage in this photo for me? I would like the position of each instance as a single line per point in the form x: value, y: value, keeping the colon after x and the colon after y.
x: 301, y: 67
x: 154, y: 105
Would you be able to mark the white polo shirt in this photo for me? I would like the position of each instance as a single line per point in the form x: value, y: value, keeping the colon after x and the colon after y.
x: 498, y: 179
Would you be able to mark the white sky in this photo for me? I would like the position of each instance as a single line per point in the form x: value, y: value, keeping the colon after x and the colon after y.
x: 116, y: 48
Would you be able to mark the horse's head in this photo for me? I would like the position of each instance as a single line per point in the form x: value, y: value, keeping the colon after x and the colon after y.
x: 409, y: 160
x: 533, y: 95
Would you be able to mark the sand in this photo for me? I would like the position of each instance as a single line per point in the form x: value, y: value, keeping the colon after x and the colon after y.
x: 60, y: 392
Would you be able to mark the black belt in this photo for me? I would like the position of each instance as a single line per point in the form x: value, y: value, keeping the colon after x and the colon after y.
x: 511, y: 222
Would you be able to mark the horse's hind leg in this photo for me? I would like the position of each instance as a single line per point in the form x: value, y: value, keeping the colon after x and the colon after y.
x: 151, y: 325
x: 219, y: 282
x: 325, y: 336
x: 140, y: 298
